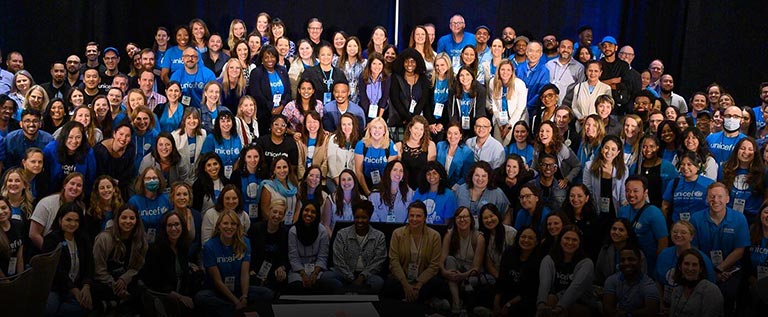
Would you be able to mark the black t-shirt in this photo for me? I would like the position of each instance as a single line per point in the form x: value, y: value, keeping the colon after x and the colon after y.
x: 617, y: 68
x: 563, y: 276
x: 287, y: 148
x: 15, y: 241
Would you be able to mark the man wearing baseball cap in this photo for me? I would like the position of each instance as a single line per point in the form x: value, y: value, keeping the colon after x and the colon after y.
x: 111, y: 58
x: 520, y: 46
x: 614, y: 72
x: 482, y: 35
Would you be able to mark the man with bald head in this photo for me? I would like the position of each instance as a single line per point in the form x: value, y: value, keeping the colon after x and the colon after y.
x: 721, y: 143
x: 193, y: 78
x: 484, y: 146
x: 632, y: 78
x: 534, y: 74
x: 564, y: 71
x: 657, y: 69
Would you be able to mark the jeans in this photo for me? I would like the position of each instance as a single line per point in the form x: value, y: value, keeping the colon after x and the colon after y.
x: 213, y: 304
x: 372, y: 285
x: 63, y: 305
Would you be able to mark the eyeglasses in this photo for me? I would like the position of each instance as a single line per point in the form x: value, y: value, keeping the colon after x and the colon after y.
x: 548, y: 165
x: 314, y: 28
x: 483, y: 126
x: 526, y: 196
x: 465, y: 217
x: 29, y: 121
x: 547, y: 96
x: 173, y: 225
x: 110, y: 58
x: 457, y: 23
x: 190, y: 56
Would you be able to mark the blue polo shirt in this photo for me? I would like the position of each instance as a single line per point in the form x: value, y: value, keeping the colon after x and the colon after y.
x: 688, y: 197
x: 732, y: 232
x: 649, y: 228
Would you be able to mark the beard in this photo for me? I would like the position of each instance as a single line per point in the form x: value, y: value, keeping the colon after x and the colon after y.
x: 507, y: 42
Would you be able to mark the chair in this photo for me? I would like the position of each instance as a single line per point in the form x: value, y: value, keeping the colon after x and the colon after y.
x: 27, y: 293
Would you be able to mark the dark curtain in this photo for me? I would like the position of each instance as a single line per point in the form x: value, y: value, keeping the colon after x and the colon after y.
x: 698, y: 41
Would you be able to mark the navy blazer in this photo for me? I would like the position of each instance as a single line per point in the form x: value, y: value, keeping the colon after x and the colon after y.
x: 259, y: 89
x: 462, y: 160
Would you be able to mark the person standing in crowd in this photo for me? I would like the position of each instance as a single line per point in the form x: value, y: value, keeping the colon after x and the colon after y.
x: 192, y: 78
x: 646, y: 220
x: 507, y: 98
x: 435, y: 192
x: 721, y: 144
x: 455, y: 155
x: 453, y: 43
x: 416, y: 149
x: 150, y: 201
x: 392, y: 197
x: 565, y: 277
x: 270, y: 87
x: 479, y: 189
x: 410, y: 91
x: 632, y: 291
x: 694, y: 295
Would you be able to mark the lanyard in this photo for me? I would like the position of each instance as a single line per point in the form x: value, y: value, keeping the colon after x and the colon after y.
x: 504, y: 105
x: 328, y: 80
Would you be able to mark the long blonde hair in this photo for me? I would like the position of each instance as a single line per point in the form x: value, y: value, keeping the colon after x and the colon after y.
x: 238, y: 242
x: 497, y: 84
x: 368, y: 139
x: 27, y: 203
x: 448, y: 74
x: 232, y: 38
x: 226, y: 85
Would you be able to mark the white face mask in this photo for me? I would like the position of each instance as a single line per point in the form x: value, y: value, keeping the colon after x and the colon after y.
x: 731, y: 124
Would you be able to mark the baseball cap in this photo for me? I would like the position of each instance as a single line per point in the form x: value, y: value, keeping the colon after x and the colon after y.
x: 522, y: 38
x: 483, y: 27
x: 609, y: 39
x: 111, y: 49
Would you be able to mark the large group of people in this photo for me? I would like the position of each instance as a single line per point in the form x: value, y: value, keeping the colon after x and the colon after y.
x: 529, y: 177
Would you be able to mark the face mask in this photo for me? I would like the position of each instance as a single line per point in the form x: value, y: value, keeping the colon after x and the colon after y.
x: 152, y: 185
x: 731, y: 124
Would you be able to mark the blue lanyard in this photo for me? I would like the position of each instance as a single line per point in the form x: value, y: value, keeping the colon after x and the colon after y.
x: 504, y: 105
x: 328, y: 80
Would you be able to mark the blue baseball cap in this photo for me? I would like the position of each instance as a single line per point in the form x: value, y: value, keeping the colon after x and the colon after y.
x: 609, y: 39
x: 111, y: 49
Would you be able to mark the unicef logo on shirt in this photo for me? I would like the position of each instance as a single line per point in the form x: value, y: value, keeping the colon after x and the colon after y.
x: 740, y: 182
x: 698, y: 194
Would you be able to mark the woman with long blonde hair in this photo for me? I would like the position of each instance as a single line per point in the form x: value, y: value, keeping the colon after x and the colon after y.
x: 372, y: 154
x: 507, y: 97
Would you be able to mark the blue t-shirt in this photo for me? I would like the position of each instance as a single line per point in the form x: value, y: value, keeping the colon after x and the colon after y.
x: 168, y: 124
x: 441, y: 91
x: 151, y: 212
x: 192, y: 84
x: 524, y: 219
x: 649, y: 228
x: 215, y: 253
x: 311, y: 143
x: 250, y: 191
x: 732, y: 232
x: 144, y: 144
x: 447, y: 45
x: 526, y: 153
x: 439, y: 207
x: 758, y: 254
x: 743, y: 197
x: 172, y: 59
x: 227, y: 149
x: 275, y: 84
x: 721, y: 146
x: 375, y: 159
x: 689, y: 197
x: 465, y: 104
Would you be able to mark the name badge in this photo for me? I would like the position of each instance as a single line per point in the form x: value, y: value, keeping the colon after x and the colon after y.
x: 438, y: 110
x: 465, y: 122
x: 186, y: 100
x: 373, y: 111
x: 716, y: 256
x: 376, y: 177
x: 253, y: 190
x: 227, y: 170
x: 276, y: 100
x: 12, y: 265
x: 288, y: 220
x: 685, y: 216
x: 151, y: 234
x: 391, y: 218
x: 413, y: 271
x: 326, y: 97
x: 264, y: 270
x: 605, y: 204
x: 762, y: 271
x: 17, y: 217
x: 253, y: 210
x: 229, y: 282
x: 309, y: 268
x: 738, y: 205
x: 412, y: 107
x: 455, y: 60
x: 504, y: 118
